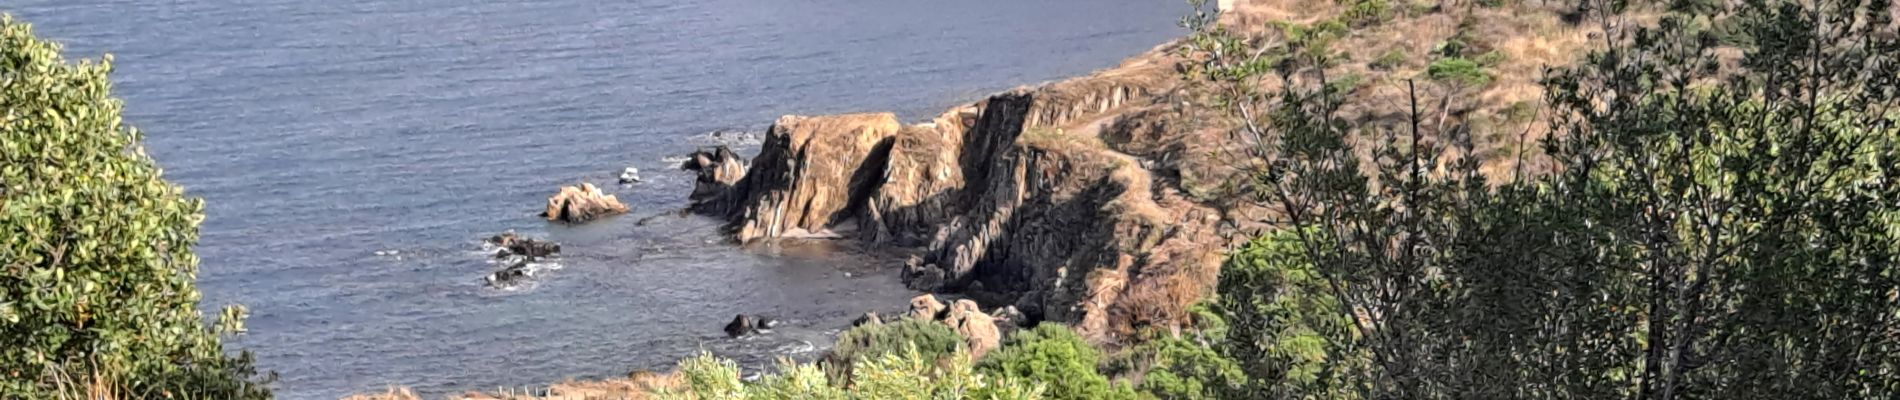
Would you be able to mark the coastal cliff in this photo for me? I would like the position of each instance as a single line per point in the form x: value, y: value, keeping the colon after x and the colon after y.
x: 1023, y: 199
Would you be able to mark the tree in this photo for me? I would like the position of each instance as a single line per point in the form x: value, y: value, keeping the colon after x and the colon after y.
x: 1710, y: 226
x: 96, y: 268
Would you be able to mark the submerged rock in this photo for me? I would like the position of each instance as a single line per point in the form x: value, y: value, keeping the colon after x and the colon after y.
x: 509, y: 244
x: 630, y: 175
x: 762, y: 323
x: 742, y: 325
x: 582, y: 203
x: 510, y: 276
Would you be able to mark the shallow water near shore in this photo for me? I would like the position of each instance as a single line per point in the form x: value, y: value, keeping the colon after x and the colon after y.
x: 321, y: 133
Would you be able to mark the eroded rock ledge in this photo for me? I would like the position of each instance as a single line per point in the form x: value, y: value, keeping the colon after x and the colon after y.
x: 1016, y: 200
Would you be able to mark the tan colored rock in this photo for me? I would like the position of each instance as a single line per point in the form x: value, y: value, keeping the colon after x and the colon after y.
x: 810, y: 173
x: 918, y: 188
x: 925, y: 307
x: 582, y: 203
x: 977, y: 328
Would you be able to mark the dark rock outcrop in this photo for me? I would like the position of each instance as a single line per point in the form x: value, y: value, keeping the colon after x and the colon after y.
x: 510, y: 244
x: 719, y: 171
x: 514, y: 274
x: 582, y: 203
x: 740, y: 326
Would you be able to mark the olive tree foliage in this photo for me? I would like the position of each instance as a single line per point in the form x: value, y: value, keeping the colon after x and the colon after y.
x: 96, y: 268
x: 1710, y: 226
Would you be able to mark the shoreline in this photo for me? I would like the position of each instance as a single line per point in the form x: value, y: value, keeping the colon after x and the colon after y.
x: 1094, y: 99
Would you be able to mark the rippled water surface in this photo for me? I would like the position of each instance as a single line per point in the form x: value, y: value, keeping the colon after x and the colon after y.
x: 323, y: 132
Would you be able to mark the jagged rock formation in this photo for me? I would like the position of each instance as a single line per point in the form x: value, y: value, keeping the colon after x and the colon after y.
x: 719, y: 171
x: 1018, y: 200
x: 810, y: 173
x: 582, y: 203
x: 917, y: 188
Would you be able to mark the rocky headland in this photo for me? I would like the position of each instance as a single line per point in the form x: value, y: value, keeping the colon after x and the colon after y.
x: 1063, y: 200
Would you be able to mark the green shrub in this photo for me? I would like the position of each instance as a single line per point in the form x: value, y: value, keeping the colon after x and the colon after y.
x: 1056, y: 356
x: 908, y: 374
x: 96, y: 268
x: 1368, y: 12
x: 1345, y: 85
x: 1179, y: 368
x: 1391, y: 60
x: 930, y: 339
x: 1460, y: 71
x: 1281, y: 323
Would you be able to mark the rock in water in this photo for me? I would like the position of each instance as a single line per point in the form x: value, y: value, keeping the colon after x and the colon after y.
x: 582, y: 203
x: 509, y: 244
x: 719, y: 170
x: 764, y: 323
x: 740, y: 326
x: 512, y: 275
x: 630, y: 175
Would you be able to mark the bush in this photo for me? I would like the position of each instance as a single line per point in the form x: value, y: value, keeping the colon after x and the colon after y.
x: 1368, y: 12
x: 930, y: 339
x: 1183, y: 369
x: 1390, y: 60
x: 909, y: 374
x: 96, y: 268
x: 1280, y: 319
x: 1459, y: 70
x: 1056, y: 356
